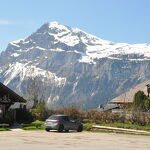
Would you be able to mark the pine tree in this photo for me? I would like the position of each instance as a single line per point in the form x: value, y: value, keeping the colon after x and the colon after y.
x: 139, y: 99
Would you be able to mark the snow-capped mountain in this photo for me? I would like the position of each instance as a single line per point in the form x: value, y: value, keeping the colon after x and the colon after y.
x: 68, y: 66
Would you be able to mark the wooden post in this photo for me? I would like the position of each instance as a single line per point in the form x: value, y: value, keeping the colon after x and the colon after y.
x: 148, y: 90
x: 3, y: 111
x: 14, y: 115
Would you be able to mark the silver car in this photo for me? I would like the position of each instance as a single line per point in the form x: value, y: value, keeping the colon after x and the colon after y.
x: 63, y: 123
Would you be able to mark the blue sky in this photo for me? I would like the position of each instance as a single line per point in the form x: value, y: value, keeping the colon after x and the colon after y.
x: 114, y: 20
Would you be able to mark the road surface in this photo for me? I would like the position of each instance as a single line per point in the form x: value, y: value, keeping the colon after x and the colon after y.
x: 42, y: 140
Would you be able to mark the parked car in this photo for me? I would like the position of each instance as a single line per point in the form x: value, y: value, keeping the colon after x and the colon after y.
x: 63, y: 123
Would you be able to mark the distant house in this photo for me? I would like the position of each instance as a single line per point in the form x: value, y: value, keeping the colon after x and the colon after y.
x: 126, y: 99
x: 8, y: 98
x: 108, y: 108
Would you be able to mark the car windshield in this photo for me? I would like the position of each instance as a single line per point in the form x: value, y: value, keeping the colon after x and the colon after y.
x: 53, y: 117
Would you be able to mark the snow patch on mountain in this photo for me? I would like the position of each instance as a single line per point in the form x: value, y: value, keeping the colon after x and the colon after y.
x: 95, y: 48
x: 58, y: 27
x: 15, y: 54
x: 25, y: 71
x: 13, y: 44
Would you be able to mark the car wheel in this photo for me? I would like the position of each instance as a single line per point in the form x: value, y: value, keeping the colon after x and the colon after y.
x: 47, y: 130
x: 66, y: 130
x: 61, y: 128
x: 80, y: 128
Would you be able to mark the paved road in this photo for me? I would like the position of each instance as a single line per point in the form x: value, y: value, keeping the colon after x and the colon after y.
x: 41, y: 140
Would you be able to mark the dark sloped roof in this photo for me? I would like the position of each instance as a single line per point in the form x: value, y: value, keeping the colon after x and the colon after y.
x: 14, y: 97
x: 108, y: 107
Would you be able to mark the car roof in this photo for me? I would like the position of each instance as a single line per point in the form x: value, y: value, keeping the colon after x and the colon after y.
x: 60, y: 115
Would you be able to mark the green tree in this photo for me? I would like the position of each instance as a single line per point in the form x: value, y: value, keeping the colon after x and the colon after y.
x: 40, y: 111
x: 147, y: 104
x: 139, y: 100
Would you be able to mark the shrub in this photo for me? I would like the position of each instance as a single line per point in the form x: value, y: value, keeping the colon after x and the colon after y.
x: 88, y: 126
x: 6, y: 120
x: 40, y: 112
x: 140, y: 118
x: 37, y: 122
x: 97, y: 117
x: 72, y: 111
x: 24, y: 116
x: 4, y: 129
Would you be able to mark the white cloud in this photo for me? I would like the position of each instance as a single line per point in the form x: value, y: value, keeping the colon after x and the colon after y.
x: 5, y: 22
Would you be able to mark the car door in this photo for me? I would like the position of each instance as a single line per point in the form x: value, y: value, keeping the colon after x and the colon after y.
x: 73, y: 123
x: 66, y: 122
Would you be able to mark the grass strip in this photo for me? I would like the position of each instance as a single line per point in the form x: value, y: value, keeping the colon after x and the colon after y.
x: 33, y: 128
x: 4, y: 129
x: 88, y: 126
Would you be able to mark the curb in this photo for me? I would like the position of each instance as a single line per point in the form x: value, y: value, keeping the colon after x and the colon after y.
x: 121, y: 130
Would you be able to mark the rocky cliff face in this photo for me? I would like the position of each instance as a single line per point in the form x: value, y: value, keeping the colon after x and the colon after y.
x: 66, y: 66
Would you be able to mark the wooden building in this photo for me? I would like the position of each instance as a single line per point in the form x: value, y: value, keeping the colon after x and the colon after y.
x: 8, y: 98
x: 126, y: 99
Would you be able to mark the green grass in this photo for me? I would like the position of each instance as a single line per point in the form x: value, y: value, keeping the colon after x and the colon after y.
x: 33, y: 128
x: 88, y: 126
x: 126, y: 126
x: 4, y: 129
x: 36, y: 125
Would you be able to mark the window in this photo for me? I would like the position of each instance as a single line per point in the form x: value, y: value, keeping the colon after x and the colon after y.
x: 65, y: 118
x: 53, y: 117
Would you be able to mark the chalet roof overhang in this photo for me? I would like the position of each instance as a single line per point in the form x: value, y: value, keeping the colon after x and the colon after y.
x: 8, y: 96
x: 120, y: 102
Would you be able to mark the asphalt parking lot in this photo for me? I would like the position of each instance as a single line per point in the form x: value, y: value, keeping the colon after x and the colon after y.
x: 42, y: 140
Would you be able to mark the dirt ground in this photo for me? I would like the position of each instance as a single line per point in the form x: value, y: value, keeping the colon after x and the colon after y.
x: 42, y: 140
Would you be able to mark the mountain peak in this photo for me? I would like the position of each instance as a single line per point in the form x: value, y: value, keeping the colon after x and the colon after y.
x: 53, y: 27
x: 54, y: 23
x: 53, y: 35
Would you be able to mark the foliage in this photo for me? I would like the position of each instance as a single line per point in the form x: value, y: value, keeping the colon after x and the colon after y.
x: 87, y: 126
x: 138, y: 102
x: 38, y: 122
x: 72, y: 111
x: 7, y: 120
x: 4, y: 129
x: 95, y: 116
x: 40, y: 112
x: 35, y: 125
x: 147, y: 104
x: 141, y: 102
x: 23, y: 115
x: 141, y: 118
